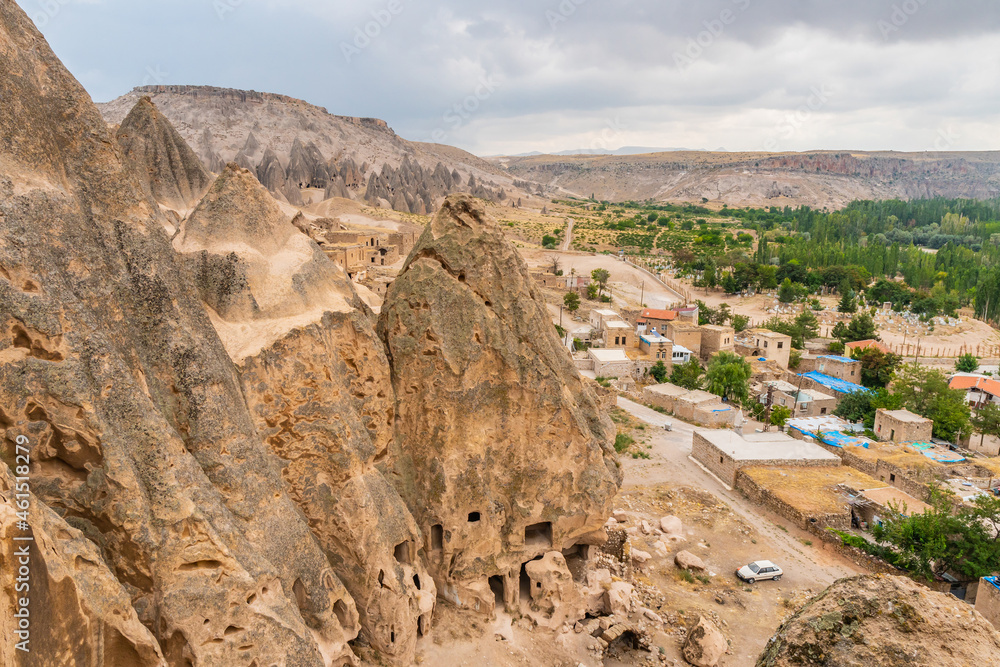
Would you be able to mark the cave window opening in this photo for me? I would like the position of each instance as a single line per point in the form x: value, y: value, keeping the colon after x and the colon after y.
x: 497, y: 586
x: 538, y: 535
x: 437, y: 537
x: 402, y: 553
x: 474, y: 517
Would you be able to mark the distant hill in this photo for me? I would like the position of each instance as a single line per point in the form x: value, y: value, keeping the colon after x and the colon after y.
x: 292, y: 146
x: 624, y: 150
x: 818, y: 178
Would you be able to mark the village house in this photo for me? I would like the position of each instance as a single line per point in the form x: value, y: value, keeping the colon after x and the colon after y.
x: 821, y: 382
x: 611, y: 363
x: 686, y: 335
x: 979, y: 389
x: 769, y: 345
x: 659, y: 348
x: 902, y: 426
x: 651, y: 318
x: 715, y: 339
x: 988, y: 600
x: 724, y: 453
x: 600, y: 316
x: 841, y: 368
x: 810, y: 403
x: 618, y: 333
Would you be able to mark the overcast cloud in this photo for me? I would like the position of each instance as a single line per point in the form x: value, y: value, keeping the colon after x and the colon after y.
x: 510, y: 77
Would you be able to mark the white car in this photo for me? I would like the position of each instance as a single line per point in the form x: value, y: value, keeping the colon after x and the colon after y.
x: 759, y: 569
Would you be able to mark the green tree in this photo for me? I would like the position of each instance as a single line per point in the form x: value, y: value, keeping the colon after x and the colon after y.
x: 780, y: 415
x: 877, y: 367
x: 549, y: 242
x: 848, y: 304
x: 728, y: 376
x: 925, y: 391
x: 862, y: 327
x: 739, y: 322
x: 786, y: 293
x: 659, y: 372
x: 967, y: 363
x: 861, y: 406
x: 807, y: 324
x: 986, y: 420
x: 592, y: 291
x: 601, y: 277
x: 572, y: 301
x: 941, y: 539
x: 688, y: 375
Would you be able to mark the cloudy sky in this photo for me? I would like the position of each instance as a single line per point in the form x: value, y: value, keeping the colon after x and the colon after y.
x: 506, y: 76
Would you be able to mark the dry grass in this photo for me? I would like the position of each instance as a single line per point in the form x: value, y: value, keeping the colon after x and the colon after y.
x: 811, y: 490
x: 993, y: 465
x: 902, y: 457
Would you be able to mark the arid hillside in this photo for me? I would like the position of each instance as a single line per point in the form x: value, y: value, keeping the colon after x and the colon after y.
x: 304, y: 155
x: 819, y: 179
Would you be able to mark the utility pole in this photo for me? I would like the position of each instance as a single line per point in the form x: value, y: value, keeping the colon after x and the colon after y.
x: 767, y: 412
x: 560, y: 315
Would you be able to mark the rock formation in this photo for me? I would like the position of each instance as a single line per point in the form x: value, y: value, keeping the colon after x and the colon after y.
x: 139, y: 432
x: 883, y: 621
x: 167, y: 169
x: 315, y: 148
x: 229, y: 465
x: 501, y: 452
x: 317, y: 382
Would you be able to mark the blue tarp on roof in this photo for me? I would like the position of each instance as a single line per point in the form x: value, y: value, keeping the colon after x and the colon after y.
x: 993, y: 581
x: 835, y: 438
x: 847, y: 360
x: 934, y: 453
x: 840, y: 386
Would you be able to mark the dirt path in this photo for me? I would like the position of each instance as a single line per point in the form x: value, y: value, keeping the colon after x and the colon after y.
x: 569, y: 235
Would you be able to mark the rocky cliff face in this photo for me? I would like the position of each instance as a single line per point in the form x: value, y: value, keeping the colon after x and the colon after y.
x: 880, y: 621
x: 167, y: 168
x: 139, y: 432
x: 291, y: 144
x: 216, y: 448
x: 500, y: 450
x: 823, y: 179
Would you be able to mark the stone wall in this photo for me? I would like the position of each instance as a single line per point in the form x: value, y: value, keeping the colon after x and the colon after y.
x: 725, y: 467
x: 715, y: 339
x: 988, y: 601
x: 765, y: 498
x: 889, y: 428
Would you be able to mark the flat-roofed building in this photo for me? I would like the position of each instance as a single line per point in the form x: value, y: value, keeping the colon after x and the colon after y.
x: 715, y: 339
x: 902, y: 426
x: 600, y: 316
x: 612, y: 363
x: 685, y: 334
x: 656, y: 319
x: 657, y: 347
x: 618, y: 333
x: 842, y: 368
x: 771, y: 345
x: 726, y: 452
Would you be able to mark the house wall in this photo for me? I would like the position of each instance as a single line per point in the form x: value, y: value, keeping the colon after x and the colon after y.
x: 725, y: 467
x: 778, y: 348
x: 890, y: 429
x: 703, y: 415
x: 715, y: 340
x: 988, y: 602
x: 619, y: 338
x: 613, y: 369
x: 668, y: 403
x: 685, y: 407
x: 685, y: 335
x: 842, y: 370
x: 765, y: 498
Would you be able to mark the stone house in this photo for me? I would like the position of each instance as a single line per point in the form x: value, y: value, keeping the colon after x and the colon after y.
x: 611, y: 363
x: 686, y: 335
x: 715, y: 339
x: 656, y: 319
x: 724, y: 453
x: 988, y: 600
x: 902, y: 426
x: 770, y: 345
x: 601, y: 316
x: 618, y: 334
x: 658, y: 348
x: 841, y: 368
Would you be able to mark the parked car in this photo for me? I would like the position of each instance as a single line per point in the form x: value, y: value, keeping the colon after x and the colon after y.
x: 759, y: 569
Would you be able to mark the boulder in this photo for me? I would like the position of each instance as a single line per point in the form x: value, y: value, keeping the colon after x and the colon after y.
x: 671, y: 525
x: 705, y: 644
x: 553, y: 592
x: 619, y: 598
x: 640, y: 557
x: 883, y: 621
x: 686, y: 560
x: 595, y: 593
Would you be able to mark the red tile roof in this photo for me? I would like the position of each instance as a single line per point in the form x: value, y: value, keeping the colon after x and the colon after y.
x: 654, y: 314
x: 865, y: 344
x: 965, y: 382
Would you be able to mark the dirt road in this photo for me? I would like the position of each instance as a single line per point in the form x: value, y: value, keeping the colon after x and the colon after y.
x: 569, y: 235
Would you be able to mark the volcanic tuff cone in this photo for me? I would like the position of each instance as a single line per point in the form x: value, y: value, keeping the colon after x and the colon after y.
x: 167, y: 169
x: 317, y: 382
x: 139, y: 433
x: 496, y: 431
x: 883, y: 621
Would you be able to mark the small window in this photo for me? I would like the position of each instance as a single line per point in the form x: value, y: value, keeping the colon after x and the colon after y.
x: 781, y: 344
x: 473, y: 517
x: 722, y: 459
x: 892, y: 478
x: 437, y: 537
x: 765, y: 343
x: 402, y: 553
x: 822, y: 411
